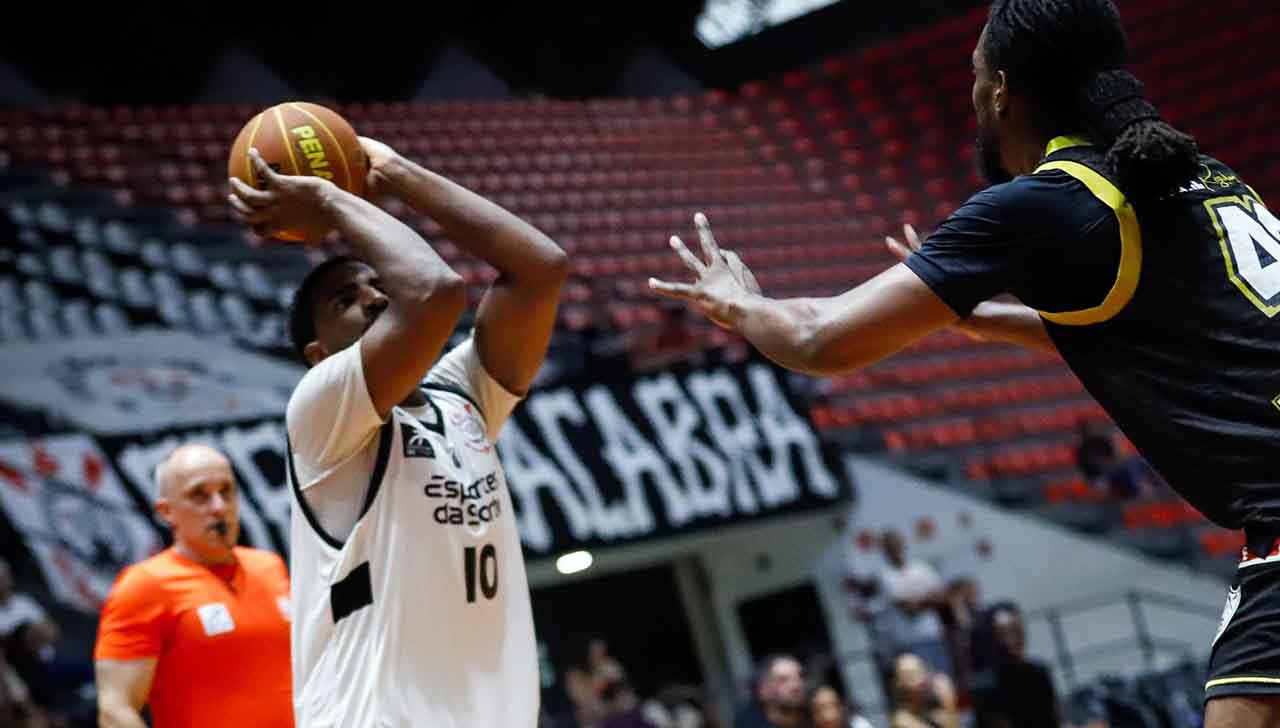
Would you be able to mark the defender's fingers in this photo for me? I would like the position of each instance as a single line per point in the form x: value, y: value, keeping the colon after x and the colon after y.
x: 689, y: 259
x: 900, y: 251
x: 709, y: 247
x: 673, y: 290
x: 913, y: 239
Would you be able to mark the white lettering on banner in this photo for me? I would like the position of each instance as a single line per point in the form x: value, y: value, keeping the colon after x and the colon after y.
x: 736, y: 439
x: 548, y: 411
x: 138, y: 462
x: 767, y: 457
x: 631, y: 456
x: 784, y: 429
x: 528, y: 472
x: 676, y: 434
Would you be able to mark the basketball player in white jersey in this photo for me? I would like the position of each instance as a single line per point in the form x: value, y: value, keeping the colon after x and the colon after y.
x: 411, y: 606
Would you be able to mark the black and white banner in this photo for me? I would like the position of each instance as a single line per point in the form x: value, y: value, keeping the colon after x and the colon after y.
x: 613, y: 461
x: 602, y: 461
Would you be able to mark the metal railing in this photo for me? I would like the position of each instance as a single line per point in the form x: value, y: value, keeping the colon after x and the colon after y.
x: 1141, y: 640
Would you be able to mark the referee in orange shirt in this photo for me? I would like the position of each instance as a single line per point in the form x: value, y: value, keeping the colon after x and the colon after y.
x: 200, y: 631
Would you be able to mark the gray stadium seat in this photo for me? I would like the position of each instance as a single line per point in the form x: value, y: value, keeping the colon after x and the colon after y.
x: 155, y: 253
x: 43, y: 323
x: 237, y: 312
x: 187, y: 260
x: 118, y: 238
x: 10, y: 296
x: 11, y: 328
x: 39, y: 294
x: 77, y: 318
x: 174, y: 312
x: 110, y: 318
x: 205, y: 316
x: 64, y: 265
x: 134, y: 288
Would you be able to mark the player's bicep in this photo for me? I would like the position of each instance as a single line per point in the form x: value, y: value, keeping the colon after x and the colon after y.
x: 124, y: 684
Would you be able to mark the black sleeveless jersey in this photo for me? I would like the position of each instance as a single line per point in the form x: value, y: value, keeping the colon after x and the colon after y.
x: 1167, y: 312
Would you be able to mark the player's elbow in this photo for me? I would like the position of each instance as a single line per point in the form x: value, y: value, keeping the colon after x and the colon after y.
x: 825, y: 350
x: 442, y: 296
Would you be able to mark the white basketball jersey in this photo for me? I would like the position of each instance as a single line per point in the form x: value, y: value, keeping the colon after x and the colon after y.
x: 421, y: 616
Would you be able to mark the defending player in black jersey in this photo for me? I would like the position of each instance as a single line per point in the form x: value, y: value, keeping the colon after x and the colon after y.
x: 1153, y: 270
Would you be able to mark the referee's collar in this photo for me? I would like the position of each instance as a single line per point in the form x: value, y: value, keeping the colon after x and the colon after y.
x: 1058, y: 143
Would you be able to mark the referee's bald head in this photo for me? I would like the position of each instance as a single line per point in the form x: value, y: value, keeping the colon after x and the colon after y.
x: 171, y: 471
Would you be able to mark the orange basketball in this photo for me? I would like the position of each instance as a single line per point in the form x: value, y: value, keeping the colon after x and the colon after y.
x: 301, y: 138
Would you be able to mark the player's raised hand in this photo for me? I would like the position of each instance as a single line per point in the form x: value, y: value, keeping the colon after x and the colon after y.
x: 902, y: 251
x: 286, y: 207
x: 378, y: 154
x: 721, y: 276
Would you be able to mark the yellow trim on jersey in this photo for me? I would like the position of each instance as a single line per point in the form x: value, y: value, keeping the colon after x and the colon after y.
x: 1236, y: 680
x: 1130, y: 268
x: 1248, y: 203
x: 1057, y: 144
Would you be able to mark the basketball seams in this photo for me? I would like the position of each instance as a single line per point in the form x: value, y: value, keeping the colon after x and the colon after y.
x: 249, y: 176
x: 342, y: 155
x: 284, y: 139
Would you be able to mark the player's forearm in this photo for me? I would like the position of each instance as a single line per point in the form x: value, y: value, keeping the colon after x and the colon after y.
x: 409, y: 269
x: 798, y: 334
x: 1011, y: 322
x: 519, y: 251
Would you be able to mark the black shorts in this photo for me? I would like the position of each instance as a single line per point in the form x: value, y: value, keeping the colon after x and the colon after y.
x: 1245, y: 659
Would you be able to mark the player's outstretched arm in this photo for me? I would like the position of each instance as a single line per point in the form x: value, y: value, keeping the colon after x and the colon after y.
x: 818, y: 336
x: 123, y: 688
x: 426, y: 296
x: 1011, y: 322
x: 518, y: 312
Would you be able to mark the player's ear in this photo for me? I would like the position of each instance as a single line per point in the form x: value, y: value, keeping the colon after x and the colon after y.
x: 1000, y: 93
x: 314, y: 353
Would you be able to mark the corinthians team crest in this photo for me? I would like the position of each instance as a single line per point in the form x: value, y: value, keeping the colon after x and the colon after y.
x: 472, y: 428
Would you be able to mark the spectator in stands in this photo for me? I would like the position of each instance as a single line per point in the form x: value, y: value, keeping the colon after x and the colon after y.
x: 922, y: 699
x: 827, y: 710
x: 1117, y: 476
x: 16, y: 707
x: 778, y: 696
x: 959, y: 620
x: 680, y: 706
x: 17, y: 608
x: 907, y: 613
x: 1010, y: 690
x: 155, y: 643
x: 29, y: 639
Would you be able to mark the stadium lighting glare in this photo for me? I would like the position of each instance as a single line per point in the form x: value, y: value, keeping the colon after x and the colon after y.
x: 573, y: 562
x: 727, y: 21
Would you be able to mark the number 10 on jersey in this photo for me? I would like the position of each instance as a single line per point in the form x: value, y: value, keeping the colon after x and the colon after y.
x: 483, y: 570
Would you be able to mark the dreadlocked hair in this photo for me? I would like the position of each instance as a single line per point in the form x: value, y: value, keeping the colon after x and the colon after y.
x: 1068, y: 57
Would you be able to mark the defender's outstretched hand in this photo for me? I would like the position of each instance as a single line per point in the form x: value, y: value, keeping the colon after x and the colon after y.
x: 903, y: 251
x: 722, y: 279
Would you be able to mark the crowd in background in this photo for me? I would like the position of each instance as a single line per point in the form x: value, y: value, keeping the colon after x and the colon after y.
x: 39, y: 686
